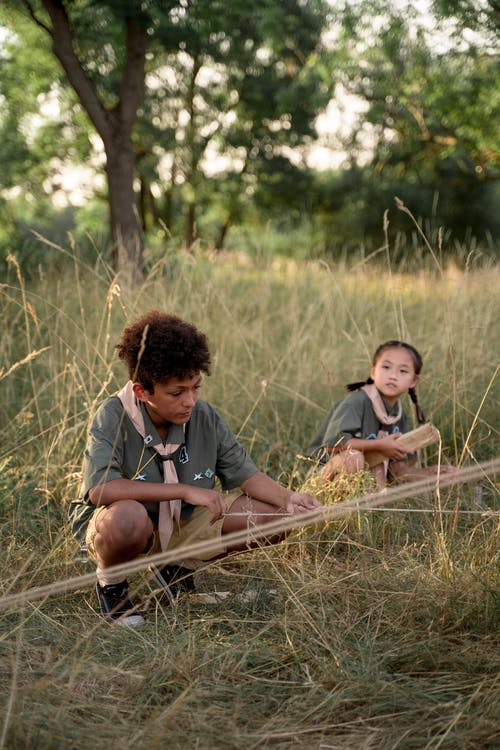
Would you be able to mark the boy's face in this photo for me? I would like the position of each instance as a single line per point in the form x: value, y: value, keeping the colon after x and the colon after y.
x: 171, y: 401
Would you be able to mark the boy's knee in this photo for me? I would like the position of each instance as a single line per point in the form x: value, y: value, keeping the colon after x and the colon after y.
x: 124, y: 524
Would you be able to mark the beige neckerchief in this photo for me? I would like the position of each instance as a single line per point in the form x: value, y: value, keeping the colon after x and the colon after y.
x: 379, y: 407
x: 169, y: 510
x: 381, y: 413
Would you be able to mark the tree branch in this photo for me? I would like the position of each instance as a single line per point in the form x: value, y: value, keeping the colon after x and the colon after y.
x: 62, y: 46
x: 35, y: 18
x: 426, y: 134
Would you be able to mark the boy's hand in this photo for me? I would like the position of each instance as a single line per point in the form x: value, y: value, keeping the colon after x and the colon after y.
x: 301, y: 502
x: 210, y: 499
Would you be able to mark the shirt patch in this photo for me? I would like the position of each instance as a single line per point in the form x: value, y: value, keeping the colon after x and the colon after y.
x: 183, y: 455
x: 208, y: 474
x: 141, y: 478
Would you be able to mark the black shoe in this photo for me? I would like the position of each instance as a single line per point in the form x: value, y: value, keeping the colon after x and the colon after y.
x: 174, y: 579
x: 116, y: 605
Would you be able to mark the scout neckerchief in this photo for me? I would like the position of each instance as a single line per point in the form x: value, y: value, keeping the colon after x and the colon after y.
x: 380, y: 411
x: 169, y: 510
x: 384, y: 419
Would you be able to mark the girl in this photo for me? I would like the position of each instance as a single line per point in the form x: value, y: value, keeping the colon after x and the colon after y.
x: 372, y: 418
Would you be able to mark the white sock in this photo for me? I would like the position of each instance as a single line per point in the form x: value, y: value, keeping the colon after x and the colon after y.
x: 105, y: 578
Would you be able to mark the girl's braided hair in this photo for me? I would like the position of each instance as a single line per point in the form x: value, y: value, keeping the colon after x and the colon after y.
x: 417, y: 363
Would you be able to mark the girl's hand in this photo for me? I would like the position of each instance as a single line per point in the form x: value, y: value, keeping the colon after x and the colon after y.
x: 390, y: 448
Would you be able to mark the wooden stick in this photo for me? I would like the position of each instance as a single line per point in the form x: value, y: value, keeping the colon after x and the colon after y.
x: 422, y: 436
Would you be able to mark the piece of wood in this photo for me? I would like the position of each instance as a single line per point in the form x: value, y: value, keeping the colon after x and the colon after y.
x: 424, y: 435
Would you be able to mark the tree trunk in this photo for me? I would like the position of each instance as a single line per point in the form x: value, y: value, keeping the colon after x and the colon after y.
x: 193, y: 166
x: 127, y: 247
x: 219, y: 243
x: 147, y: 207
x: 114, y: 126
x: 142, y: 204
x: 190, y: 225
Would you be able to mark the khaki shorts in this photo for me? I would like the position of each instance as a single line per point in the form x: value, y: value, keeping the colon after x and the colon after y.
x: 197, y: 528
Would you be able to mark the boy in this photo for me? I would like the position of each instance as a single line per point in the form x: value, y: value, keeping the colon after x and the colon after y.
x: 150, y: 464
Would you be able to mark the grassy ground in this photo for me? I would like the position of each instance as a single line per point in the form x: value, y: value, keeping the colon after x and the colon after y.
x: 377, y: 631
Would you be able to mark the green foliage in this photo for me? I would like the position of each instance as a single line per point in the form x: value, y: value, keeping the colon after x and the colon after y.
x: 42, y: 130
x: 434, y: 108
x: 249, y: 80
x: 349, y: 207
x: 478, y: 15
x: 244, y: 82
x: 263, y: 67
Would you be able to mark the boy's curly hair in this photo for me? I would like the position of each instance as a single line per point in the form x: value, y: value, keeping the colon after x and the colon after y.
x: 159, y: 346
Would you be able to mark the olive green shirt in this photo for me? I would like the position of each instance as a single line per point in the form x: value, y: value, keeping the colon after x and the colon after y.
x: 115, y: 450
x: 352, y: 417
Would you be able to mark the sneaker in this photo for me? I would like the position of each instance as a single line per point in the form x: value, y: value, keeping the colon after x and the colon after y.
x: 116, y: 605
x: 174, y: 580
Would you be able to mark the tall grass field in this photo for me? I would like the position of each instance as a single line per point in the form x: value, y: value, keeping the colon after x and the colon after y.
x: 378, y: 630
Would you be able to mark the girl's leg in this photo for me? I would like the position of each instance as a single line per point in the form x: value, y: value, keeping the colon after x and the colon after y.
x: 345, y: 462
x: 379, y: 473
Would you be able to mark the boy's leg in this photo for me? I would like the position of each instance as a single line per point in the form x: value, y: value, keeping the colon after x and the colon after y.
x: 116, y: 534
x: 177, y: 576
x: 119, y: 532
x: 247, y: 513
x: 242, y: 512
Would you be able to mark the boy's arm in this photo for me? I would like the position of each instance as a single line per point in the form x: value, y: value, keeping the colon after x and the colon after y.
x: 261, y: 487
x: 156, y: 492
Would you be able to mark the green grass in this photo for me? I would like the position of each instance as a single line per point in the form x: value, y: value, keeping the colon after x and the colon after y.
x: 375, y: 631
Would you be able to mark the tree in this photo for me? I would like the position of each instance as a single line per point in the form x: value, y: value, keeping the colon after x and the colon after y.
x: 113, y: 52
x: 427, y: 100
x: 114, y: 120
x: 239, y: 81
x: 432, y: 94
x: 482, y: 16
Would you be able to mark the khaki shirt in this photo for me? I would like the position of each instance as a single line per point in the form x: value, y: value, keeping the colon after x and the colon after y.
x: 352, y: 416
x: 115, y: 450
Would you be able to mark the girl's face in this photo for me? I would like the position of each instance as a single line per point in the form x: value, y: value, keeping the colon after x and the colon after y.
x: 170, y: 402
x: 394, y: 373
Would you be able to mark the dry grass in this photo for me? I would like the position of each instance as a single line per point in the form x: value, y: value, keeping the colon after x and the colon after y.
x: 375, y: 631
